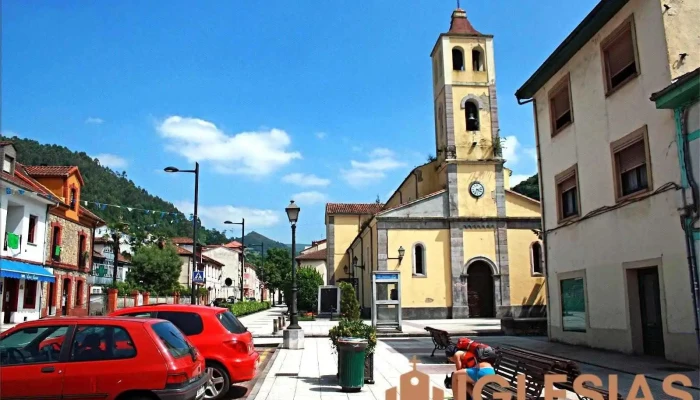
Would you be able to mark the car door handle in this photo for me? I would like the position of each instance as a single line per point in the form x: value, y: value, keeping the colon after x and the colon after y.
x: 47, y: 370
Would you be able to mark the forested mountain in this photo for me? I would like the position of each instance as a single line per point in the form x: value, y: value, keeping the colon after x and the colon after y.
x: 530, y: 187
x: 254, y: 239
x: 105, y: 186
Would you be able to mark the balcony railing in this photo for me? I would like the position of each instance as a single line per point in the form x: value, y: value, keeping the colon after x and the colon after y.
x: 100, y: 280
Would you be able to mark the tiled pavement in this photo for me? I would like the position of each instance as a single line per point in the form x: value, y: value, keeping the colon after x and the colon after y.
x: 310, y: 373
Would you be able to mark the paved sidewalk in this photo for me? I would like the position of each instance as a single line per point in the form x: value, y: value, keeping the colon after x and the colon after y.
x: 260, y: 325
x: 311, y: 373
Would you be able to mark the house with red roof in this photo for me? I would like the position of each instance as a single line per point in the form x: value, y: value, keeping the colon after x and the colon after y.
x: 314, y: 257
x: 57, y: 235
x: 193, y: 260
x: 24, y: 205
x: 463, y: 244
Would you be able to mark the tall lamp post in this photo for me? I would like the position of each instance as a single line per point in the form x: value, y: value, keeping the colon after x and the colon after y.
x: 293, y: 215
x: 262, y: 269
x: 242, y: 224
x: 194, y: 171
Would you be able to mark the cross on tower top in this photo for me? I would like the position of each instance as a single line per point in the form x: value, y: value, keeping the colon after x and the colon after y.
x: 458, y: 4
x: 414, y: 361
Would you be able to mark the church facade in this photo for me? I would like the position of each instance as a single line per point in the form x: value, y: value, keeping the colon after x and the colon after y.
x: 466, y: 246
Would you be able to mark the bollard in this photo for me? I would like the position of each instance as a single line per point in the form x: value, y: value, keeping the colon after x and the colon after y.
x: 282, y: 322
x: 274, y: 326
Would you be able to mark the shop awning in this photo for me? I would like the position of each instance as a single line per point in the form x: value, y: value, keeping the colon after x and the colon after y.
x: 20, y: 270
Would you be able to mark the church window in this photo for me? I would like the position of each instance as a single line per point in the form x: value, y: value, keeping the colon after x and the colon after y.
x: 477, y: 59
x: 418, y: 260
x: 536, y: 259
x: 457, y: 59
x: 471, y: 113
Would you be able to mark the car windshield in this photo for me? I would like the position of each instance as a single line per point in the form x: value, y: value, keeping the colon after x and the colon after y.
x: 230, y: 322
x: 172, y: 338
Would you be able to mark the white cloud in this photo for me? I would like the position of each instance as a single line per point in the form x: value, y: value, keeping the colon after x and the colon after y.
x: 309, y: 198
x: 305, y: 180
x: 321, y: 135
x: 94, y: 121
x: 111, y: 160
x: 256, y: 153
x: 517, y: 178
x: 532, y: 153
x: 510, y: 149
x: 214, y: 216
x: 363, y: 173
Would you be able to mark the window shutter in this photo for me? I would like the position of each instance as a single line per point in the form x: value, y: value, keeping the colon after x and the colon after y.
x: 631, y: 157
x: 567, y: 184
x: 620, y: 53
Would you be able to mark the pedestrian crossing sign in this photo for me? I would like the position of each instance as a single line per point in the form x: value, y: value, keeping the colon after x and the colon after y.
x: 198, y: 276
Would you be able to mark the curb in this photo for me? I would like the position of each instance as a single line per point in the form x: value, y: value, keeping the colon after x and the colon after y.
x: 260, y: 379
x: 393, y: 335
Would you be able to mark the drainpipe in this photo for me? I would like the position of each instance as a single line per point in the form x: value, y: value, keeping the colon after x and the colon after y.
x: 545, y: 256
x: 688, y: 224
x: 362, y: 254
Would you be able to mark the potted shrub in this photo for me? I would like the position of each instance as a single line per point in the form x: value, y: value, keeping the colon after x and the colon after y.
x: 351, y: 326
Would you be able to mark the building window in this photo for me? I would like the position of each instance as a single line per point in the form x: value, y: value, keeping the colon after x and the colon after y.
x: 471, y: 113
x: 477, y: 59
x: 567, y: 194
x: 56, y: 243
x: 7, y: 164
x: 631, y: 162
x: 73, y: 198
x: 560, y: 111
x: 418, y: 259
x: 32, y: 228
x: 620, y: 57
x: 82, y: 247
x: 457, y: 59
x: 536, y: 259
x: 573, y: 305
x: 29, y: 294
x: 79, y: 293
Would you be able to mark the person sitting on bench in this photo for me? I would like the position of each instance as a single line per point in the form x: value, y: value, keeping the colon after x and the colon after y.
x: 482, y: 366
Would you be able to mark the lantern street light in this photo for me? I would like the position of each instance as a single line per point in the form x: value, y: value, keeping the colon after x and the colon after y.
x: 293, y: 215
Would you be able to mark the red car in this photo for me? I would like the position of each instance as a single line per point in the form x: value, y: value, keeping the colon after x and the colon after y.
x: 225, y: 343
x: 99, y: 357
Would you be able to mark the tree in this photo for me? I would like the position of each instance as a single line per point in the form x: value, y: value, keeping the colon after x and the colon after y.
x: 349, y: 306
x: 308, y: 281
x: 278, y: 268
x: 156, y: 269
x: 530, y: 187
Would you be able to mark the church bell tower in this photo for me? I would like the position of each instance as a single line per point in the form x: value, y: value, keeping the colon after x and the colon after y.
x: 466, y: 119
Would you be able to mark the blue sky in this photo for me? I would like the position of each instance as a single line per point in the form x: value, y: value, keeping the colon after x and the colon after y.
x: 313, y: 100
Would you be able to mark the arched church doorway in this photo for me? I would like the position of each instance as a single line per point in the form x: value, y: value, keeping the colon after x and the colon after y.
x: 480, y: 290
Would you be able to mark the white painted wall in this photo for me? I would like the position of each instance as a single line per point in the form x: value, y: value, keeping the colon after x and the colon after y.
x: 600, y: 248
x: 232, y: 269
x: 20, y: 208
x: 318, y: 265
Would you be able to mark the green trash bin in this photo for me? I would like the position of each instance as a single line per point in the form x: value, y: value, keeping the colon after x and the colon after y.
x: 351, y: 363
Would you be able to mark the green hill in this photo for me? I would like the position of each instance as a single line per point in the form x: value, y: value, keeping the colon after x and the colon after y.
x: 106, y: 186
x: 530, y: 187
x: 254, y: 239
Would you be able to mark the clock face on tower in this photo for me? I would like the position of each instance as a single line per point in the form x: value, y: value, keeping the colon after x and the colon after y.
x: 476, y: 189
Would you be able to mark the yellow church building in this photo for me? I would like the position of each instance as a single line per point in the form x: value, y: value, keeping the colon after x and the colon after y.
x: 470, y: 246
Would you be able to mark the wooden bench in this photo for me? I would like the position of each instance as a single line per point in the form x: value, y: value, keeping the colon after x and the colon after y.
x: 563, y: 366
x: 441, y: 339
x: 510, y: 365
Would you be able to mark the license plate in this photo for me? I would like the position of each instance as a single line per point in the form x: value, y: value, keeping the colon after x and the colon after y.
x: 200, y: 391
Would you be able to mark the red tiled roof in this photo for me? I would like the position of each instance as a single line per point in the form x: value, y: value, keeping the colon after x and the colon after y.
x: 4, y: 143
x: 101, y: 240
x: 460, y: 23
x: 26, y: 182
x: 317, y: 242
x: 314, y: 255
x: 233, y: 244
x: 353, y: 208
x: 90, y: 214
x: 181, y: 240
x: 54, y: 170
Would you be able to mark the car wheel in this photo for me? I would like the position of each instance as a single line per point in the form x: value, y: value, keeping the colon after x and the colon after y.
x: 219, y: 383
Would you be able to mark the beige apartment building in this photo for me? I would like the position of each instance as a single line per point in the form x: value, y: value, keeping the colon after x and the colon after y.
x: 616, y: 261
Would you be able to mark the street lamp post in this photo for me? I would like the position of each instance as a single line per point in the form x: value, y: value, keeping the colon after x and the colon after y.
x: 242, y: 224
x: 293, y: 336
x: 293, y: 215
x: 194, y: 171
